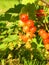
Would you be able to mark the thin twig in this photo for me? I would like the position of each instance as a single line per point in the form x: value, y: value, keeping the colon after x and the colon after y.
x: 46, y: 2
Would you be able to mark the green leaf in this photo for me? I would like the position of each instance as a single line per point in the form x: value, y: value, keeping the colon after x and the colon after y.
x: 3, y: 62
x: 34, y: 40
x: 37, y: 44
x: 25, y: 62
x: 4, y: 32
x: 3, y: 46
x: 1, y: 36
x: 10, y: 38
x: 28, y: 1
x: 6, y: 4
x: 30, y: 63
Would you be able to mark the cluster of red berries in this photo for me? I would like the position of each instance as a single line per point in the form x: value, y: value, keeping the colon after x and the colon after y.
x: 40, y: 13
x: 45, y: 37
x: 28, y: 27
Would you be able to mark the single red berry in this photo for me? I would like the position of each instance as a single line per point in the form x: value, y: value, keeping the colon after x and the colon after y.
x: 24, y: 17
x: 24, y: 38
x: 46, y: 41
x: 41, y: 11
x: 43, y: 34
x: 33, y: 29
x: 48, y: 35
x: 41, y: 31
x: 46, y: 46
x: 30, y: 23
x: 30, y: 34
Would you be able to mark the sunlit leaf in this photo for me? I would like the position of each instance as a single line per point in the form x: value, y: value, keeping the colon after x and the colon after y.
x: 28, y: 1
x: 3, y: 46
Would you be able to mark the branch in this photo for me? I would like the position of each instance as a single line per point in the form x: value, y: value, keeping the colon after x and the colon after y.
x: 47, y: 3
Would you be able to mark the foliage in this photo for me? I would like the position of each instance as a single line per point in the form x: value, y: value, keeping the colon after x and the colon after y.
x: 13, y: 51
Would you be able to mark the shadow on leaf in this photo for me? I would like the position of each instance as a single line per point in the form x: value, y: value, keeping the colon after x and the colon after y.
x: 16, y: 9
